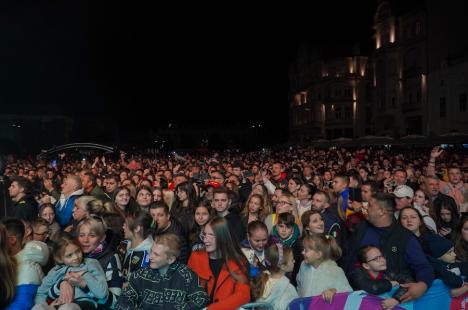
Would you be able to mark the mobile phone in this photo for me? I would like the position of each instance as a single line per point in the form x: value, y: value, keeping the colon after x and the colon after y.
x: 54, y: 163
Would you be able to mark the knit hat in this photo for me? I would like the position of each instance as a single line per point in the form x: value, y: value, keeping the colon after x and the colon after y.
x: 437, y: 246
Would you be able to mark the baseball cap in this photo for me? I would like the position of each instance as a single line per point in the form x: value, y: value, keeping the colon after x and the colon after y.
x: 403, y: 191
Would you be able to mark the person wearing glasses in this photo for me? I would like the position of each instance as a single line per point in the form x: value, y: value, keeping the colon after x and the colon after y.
x: 286, y: 203
x: 40, y: 229
x: 221, y: 267
x: 372, y: 277
x: 401, y: 248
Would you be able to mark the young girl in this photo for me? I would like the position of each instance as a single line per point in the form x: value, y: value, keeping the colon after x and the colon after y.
x: 74, y: 283
x: 371, y: 276
x: 47, y: 212
x: 447, y: 218
x: 253, y: 247
x: 319, y: 273
x: 271, y: 285
x: 203, y: 213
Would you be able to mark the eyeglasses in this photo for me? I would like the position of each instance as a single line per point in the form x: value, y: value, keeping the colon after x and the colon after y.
x: 204, y: 236
x: 377, y: 258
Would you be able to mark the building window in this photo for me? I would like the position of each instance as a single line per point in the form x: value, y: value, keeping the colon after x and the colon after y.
x: 443, y: 107
x: 348, y: 113
x: 462, y: 100
x: 338, y: 113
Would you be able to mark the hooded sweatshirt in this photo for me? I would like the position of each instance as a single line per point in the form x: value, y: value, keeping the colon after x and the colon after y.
x: 279, y: 293
x: 136, y: 258
x: 64, y: 208
x: 34, y: 255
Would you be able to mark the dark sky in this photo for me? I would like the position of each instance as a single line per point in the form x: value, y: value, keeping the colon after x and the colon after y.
x: 149, y: 63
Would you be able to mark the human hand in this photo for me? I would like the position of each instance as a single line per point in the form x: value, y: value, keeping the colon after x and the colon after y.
x: 355, y: 205
x: 394, y: 283
x: 389, y: 303
x: 66, y: 292
x: 445, y: 231
x: 45, y: 199
x: 436, y: 151
x: 328, y: 294
x: 415, y: 290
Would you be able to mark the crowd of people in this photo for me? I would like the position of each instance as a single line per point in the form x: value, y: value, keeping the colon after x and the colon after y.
x: 223, y: 230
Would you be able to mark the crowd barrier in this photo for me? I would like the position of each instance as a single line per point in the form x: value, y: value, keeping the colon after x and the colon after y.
x: 437, y: 297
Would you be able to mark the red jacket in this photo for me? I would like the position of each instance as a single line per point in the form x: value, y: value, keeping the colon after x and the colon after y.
x: 229, y: 293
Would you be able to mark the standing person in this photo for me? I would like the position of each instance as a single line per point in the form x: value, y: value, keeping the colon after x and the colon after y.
x: 421, y: 203
x: 71, y: 190
x: 8, y: 270
x: 164, y: 277
x: 24, y: 204
x: 90, y: 186
x: 271, y: 285
x: 96, y: 244
x: 221, y: 267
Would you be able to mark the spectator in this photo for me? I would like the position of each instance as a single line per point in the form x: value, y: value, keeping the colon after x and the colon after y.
x: 461, y: 240
x: 8, y: 270
x: 203, y: 214
x: 446, y: 218
x: 184, y: 207
x: 165, y: 276
x: 90, y: 187
x: 254, y: 209
x: 304, y: 196
x: 221, y: 267
x: 221, y: 204
x: 47, y: 212
x: 71, y: 190
x: 144, y: 197
x: 24, y: 204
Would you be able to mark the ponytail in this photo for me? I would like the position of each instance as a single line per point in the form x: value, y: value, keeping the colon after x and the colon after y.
x: 275, y: 256
x: 325, y: 244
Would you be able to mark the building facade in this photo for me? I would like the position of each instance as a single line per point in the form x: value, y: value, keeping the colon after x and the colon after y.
x: 414, y: 82
x: 332, y: 100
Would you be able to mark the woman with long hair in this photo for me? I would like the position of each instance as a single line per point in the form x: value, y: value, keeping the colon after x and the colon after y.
x: 8, y: 270
x: 144, y: 197
x: 123, y: 202
x: 254, y: 209
x: 184, y: 206
x: 221, y: 267
x: 461, y: 240
x: 446, y: 218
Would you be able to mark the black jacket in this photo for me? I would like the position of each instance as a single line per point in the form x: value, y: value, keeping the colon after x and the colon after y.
x: 360, y: 279
x: 178, y: 289
x: 26, y: 209
x: 235, y: 224
x: 443, y: 271
x: 176, y: 229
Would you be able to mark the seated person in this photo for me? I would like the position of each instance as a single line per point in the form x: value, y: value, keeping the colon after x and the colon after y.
x: 165, y: 283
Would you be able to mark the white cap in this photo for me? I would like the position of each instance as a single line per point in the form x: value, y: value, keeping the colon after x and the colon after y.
x: 403, y: 191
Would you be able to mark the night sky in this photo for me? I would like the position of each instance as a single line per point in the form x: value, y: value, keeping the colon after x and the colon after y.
x: 151, y: 63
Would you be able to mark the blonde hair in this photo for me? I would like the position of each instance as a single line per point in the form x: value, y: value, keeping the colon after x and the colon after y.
x: 171, y: 241
x: 96, y: 225
x: 325, y: 244
x: 264, y: 211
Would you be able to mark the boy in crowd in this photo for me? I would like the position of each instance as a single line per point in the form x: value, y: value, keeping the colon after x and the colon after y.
x: 164, y: 284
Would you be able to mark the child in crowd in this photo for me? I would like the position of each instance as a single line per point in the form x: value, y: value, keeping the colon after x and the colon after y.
x: 286, y: 229
x: 319, y: 274
x: 203, y: 213
x: 74, y: 283
x: 165, y: 283
x: 443, y: 260
x: 271, y: 285
x: 371, y: 276
x: 254, y: 246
